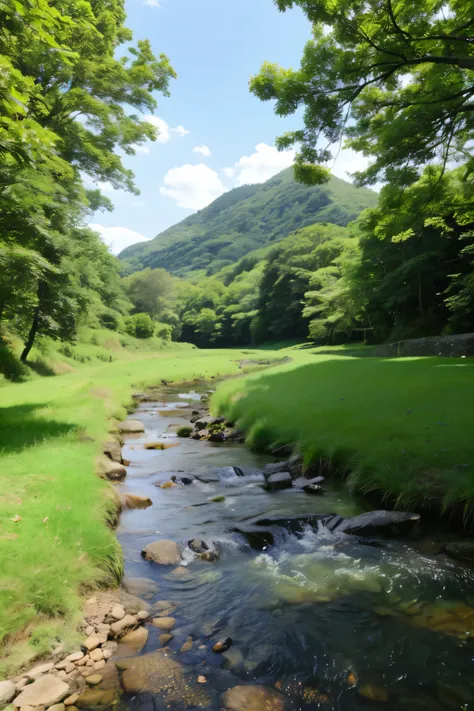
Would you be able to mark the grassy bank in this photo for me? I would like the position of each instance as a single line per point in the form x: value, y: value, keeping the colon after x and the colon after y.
x: 54, y: 541
x: 401, y: 428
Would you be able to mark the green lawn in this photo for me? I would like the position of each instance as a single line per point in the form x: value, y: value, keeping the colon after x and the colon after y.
x: 51, y: 431
x: 402, y: 427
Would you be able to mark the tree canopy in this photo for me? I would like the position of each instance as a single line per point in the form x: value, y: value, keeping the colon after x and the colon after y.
x: 389, y: 78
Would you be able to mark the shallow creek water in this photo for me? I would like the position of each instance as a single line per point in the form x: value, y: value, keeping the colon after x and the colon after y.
x: 319, y: 615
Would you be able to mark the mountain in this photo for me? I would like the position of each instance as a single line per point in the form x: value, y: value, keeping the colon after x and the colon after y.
x: 245, y: 219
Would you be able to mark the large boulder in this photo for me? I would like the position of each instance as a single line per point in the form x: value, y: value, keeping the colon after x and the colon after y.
x: 131, y: 426
x: 461, y: 550
x: 113, y: 471
x: 275, y: 468
x: 257, y: 536
x: 254, y: 698
x: 380, y: 523
x: 7, y: 692
x: 46, y: 691
x: 295, y: 524
x: 162, y: 552
x: 302, y: 483
x: 279, y: 481
x: 113, y: 450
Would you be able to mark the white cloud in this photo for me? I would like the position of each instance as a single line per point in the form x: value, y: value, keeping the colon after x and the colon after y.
x: 140, y: 148
x: 192, y: 186
x: 152, y: 3
x: 347, y: 161
x: 117, y: 238
x: 228, y: 172
x: 181, y: 131
x: 262, y: 165
x: 163, y: 128
x: 203, y: 150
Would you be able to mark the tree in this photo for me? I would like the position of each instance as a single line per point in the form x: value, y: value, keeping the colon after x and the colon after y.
x: 392, y: 78
x: 151, y: 291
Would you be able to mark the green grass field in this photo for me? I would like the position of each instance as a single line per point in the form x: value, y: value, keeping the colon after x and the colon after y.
x: 402, y: 427
x: 51, y: 431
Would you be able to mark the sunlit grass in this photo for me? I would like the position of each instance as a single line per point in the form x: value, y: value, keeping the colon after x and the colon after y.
x: 402, y: 428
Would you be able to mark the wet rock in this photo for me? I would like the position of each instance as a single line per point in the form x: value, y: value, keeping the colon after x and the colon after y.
x: 295, y: 524
x: 112, y: 470
x: 276, y: 482
x: 295, y: 465
x: 257, y: 536
x: 71, y: 700
x: 131, y: 426
x: 254, y: 698
x: 314, y: 489
x: 217, y: 437
x: 113, y: 450
x: 373, y: 692
x: 141, y: 587
x: 461, y: 550
x: 223, y: 646
x: 453, y: 693
x: 275, y: 468
x: 165, y: 638
x: 132, y: 501
x: 198, y: 546
x: 126, y: 623
x: 162, y: 552
x: 208, y: 478
x: 164, y: 623
x: 210, y: 556
x: 332, y: 522
x: 45, y: 691
x: 134, y: 641
x: 97, y: 655
x: 238, y: 471
x: 187, y: 646
x: 179, y: 572
x: 74, y: 657
x: 97, y: 698
x: 217, y: 499
x: 185, y: 480
x: 94, y: 679
x: 301, y: 482
x: 57, y: 707
x: 157, y: 673
x: 7, y: 692
x: 380, y: 523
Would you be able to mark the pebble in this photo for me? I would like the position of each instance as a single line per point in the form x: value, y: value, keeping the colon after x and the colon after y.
x: 40, y: 670
x: 107, y: 653
x: 103, y: 636
x: 117, y: 612
x: 71, y: 700
x: 92, y: 642
x: 100, y: 664
x: 96, y: 655
x: 57, y: 707
x: 123, y: 624
x: 201, y: 679
x: 142, y: 615
x: 94, y: 679
x: 82, y: 662
x: 7, y: 692
x: 89, y: 630
x: 103, y: 627
x: 21, y: 684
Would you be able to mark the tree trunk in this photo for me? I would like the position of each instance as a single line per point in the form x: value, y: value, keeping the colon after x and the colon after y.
x: 31, y: 335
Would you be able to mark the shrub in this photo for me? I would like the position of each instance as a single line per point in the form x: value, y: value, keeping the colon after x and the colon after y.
x: 110, y: 320
x: 140, y: 326
x: 10, y: 366
x: 184, y: 431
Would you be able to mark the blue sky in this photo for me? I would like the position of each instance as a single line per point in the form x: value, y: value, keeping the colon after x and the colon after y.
x: 215, y: 135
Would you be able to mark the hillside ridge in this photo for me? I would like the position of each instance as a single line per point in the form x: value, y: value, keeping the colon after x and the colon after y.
x: 245, y: 219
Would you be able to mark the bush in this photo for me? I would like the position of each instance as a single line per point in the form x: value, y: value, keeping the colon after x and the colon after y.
x: 10, y: 366
x: 140, y: 326
x: 164, y: 331
x: 110, y: 320
x: 184, y: 431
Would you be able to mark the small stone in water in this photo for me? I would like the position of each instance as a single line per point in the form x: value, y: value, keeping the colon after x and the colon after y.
x: 220, y: 647
x: 373, y: 692
x: 201, y: 679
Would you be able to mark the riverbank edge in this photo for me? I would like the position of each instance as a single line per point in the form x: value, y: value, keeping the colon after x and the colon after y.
x: 16, y: 654
x: 458, y: 516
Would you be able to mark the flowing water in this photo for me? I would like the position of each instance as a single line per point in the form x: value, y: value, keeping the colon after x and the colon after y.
x: 322, y: 616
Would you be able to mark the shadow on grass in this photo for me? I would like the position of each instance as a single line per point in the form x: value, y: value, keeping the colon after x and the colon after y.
x: 20, y: 428
x: 40, y: 367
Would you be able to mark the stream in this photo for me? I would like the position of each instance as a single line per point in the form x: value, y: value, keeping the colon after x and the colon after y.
x: 331, y: 622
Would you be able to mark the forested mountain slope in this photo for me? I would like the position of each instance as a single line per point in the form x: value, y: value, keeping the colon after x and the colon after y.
x: 245, y: 219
